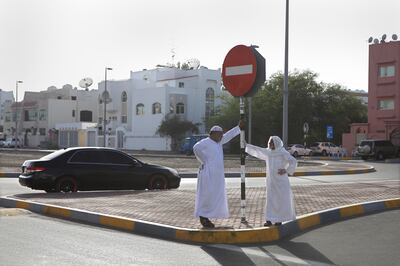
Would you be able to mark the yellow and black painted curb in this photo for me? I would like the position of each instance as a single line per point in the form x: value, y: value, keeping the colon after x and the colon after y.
x: 225, y: 236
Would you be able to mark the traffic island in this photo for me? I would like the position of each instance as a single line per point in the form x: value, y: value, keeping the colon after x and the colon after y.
x: 169, y: 214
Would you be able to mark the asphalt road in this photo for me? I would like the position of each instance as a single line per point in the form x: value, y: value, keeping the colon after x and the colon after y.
x: 30, y: 239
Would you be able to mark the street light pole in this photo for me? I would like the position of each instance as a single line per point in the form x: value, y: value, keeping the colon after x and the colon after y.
x: 105, y: 98
x: 285, y: 81
x: 16, y: 112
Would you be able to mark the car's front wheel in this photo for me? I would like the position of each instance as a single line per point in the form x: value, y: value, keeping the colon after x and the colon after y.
x: 66, y: 184
x: 295, y: 154
x: 158, y: 182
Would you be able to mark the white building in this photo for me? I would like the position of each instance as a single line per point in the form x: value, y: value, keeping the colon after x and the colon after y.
x: 6, y: 99
x: 40, y: 112
x: 139, y: 105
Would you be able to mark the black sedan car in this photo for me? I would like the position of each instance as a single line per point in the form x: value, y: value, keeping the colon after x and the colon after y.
x: 92, y: 168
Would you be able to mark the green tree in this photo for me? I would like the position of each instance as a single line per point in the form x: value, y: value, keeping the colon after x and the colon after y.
x: 176, y: 128
x: 310, y: 101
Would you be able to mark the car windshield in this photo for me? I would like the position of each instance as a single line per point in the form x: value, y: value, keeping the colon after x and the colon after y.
x: 314, y: 144
x: 53, y: 155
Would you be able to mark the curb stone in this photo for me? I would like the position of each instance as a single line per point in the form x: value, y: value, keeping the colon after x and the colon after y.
x: 196, y: 236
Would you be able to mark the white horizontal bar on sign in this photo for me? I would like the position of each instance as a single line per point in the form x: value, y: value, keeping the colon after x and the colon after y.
x: 239, y: 70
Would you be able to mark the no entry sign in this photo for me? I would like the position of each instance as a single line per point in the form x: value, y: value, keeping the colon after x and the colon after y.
x: 243, y: 71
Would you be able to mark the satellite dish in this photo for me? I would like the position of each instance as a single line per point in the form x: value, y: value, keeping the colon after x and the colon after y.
x: 376, y: 41
x: 85, y: 83
x: 370, y: 39
x: 394, y: 37
x: 193, y: 63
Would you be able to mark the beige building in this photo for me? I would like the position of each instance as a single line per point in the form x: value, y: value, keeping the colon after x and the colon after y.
x: 6, y: 99
x: 39, y: 113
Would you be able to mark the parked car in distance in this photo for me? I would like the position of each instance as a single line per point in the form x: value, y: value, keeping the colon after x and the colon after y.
x: 378, y: 149
x: 10, y: 143
x: 188, y: 143
x: 93, y: 168
x: 298, y: 150
x: 325, y: 148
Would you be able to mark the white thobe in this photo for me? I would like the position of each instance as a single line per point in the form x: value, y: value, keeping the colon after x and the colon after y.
x: 211, y: 200
x: 279, y: 202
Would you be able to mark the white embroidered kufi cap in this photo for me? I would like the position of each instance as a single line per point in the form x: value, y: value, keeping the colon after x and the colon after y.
x: 216, y: 128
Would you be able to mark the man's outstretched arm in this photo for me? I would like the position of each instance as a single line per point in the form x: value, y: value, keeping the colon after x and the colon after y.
x: 232, y: 133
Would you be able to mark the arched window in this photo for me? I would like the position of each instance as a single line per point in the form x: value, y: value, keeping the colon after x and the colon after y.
x: 86, y: 116
x: 124, y: 108
x: 156, y: 108
x: 209, y: 102
x: 105, y: 95
x: 140, y: 109
x: 124, y: 97
x: 180, y: 108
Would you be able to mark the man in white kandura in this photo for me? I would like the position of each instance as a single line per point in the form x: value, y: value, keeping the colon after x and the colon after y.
x: 279, y: 163
x: 211, y: 200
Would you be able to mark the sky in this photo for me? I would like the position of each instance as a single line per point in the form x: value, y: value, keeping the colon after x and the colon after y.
x: 55, y: 42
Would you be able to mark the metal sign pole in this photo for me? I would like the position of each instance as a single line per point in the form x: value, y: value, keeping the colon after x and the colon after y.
x: 242, y: 166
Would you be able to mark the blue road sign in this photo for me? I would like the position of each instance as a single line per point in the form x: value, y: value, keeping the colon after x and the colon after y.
x: 329, y: 132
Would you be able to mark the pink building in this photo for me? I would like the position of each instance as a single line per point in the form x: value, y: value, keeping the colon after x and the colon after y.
x: 383, y: 97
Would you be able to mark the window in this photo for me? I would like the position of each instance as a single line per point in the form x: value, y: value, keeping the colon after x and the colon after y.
x: 88, y: 157
x: 73, y: 98
x: 86, y: 116
x: 124, y: 97
x: 8, y: 117
x: 181, y: 84
x: 386, y: 104
x: 124, y: 119
x: 42, y: 115
x: 140, y: 109
x: 113, y: 157
x: 73, y: 113
x: 30, y: 115
x: 180, y: 108
x: 209, y: 102
x: 386, y: 71
x: 156, y: 108
x: 58, y: 97
x: 105, y: 95
x: 42, y: 131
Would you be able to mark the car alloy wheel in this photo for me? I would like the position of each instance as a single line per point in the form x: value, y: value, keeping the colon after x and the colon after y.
x: 295, y: 154
x: 324, y: 153
x: 158, y: 182
x: 66, y: 185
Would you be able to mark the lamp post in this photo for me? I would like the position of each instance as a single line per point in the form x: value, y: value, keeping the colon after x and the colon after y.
x: 105, y: 98
x: 285, y: 82
x: 16, y: 112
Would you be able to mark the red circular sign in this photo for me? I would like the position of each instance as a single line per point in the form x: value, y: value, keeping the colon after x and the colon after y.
x: 239, y: 70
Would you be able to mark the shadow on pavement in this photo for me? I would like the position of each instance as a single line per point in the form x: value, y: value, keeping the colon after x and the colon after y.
x: 231, y: 256
x: 303, y: 251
